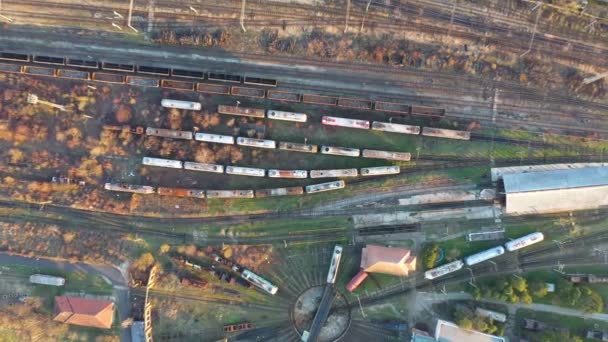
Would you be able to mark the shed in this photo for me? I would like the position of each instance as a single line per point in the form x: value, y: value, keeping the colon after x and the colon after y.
x: 553, y: 191
x: 387, y: 260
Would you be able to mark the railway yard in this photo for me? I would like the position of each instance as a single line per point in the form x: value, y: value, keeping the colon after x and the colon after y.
x: 303, y: 170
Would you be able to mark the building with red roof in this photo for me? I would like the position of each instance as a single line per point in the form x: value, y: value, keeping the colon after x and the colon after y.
x: 85, y: 312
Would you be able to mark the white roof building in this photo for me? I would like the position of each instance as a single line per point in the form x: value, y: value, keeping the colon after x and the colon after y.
x: 449, y: 332
x: 552, y: 191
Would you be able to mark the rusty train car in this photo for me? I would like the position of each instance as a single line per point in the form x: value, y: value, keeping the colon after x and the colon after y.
x: 180, y: 192
x: 274, y: 173
x: 203, y: 167
x: 388, y: 155
x: 241, y: 111
x: 297, y: 147
x: 169, y: 133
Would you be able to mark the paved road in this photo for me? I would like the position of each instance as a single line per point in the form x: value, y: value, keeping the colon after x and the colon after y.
x: 429, y: 298
x: 119, y: 284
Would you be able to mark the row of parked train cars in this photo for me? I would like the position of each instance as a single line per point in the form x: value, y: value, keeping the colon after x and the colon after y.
x: 198, y: 193
x: 219, y: 82
x: 271, y: 173
x: 488, y: 254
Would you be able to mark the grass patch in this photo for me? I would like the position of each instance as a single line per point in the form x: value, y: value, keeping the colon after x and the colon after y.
x: 577, y: 325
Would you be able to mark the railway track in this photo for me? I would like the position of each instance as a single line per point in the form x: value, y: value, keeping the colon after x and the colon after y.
x: 381, y: 21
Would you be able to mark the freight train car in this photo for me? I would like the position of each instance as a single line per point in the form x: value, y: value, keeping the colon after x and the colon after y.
x: 174, y: 164
x: 524, y: 241
x: 483, y: 256
x: 443, y: 270
x: 245, y: 171
x: 446, y: 133
x: 395, y: 128
x: 289, y: 146
x: 180, y: 104
x: 344, y: 122
x: 203, y: 167
x: 273, y: 173
x: 214, y: 138
x: 296, y: 190
x: 340, y: 151
x: 380, y: 170
x: 259, y: 282
x: 388, y: 155
x: 335, y: 264
x: 261, y: 143
x: 169, y: 133
x: 180, y: 192
x: 230, y: 194
x: 335, y: 173
x: 311, y: 189
x: 242, y: 111
x: 286, y: 116
x: 137, y: 189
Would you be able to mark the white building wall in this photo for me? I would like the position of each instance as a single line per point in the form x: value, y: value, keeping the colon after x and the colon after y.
x: 555, y: 201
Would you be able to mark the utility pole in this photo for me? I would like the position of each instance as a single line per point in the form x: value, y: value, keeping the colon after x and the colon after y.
x: 347, y: 15
x: 150, y: 16
x: 365, y: 16
x: 539, y: 7
x: 243, y: 3
x: 3, y: 16
x: 452, y: 17
x: 130, y: 15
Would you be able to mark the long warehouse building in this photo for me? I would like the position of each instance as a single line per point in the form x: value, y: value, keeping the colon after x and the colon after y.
x: 554, y: 191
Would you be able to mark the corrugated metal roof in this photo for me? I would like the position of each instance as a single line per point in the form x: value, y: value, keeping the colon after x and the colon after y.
x: 555, y: 180
x: 499, y: 172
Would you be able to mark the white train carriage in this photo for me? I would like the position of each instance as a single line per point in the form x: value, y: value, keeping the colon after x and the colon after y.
x: 524, y: 241
x: 295, y: 190
x: 341, y: 151
x: 245, y: 171
x: 259, y: 282
x: 334, y: 173
x: 169, y: 133
x: 261, y: 143
x: 344, y: 122
x: 388, y: 155
x: 395, y: 128
x: 495, y: 316
x: 214, y: 138
x: 174, y: 164
x: 204, y: 167
x: 286, y: 116
x: 137, y: 189
x: 314, y: 188
x: 380, y: 170
x: 446, y: 133
x: 274, y: 173
x: 335, y: 264
x: 444, y: 269
x: 230, y: 194
x: 180, y: 104
x: 484, y: 256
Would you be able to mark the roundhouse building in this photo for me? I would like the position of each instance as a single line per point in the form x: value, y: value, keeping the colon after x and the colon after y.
x: 553, y: 191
